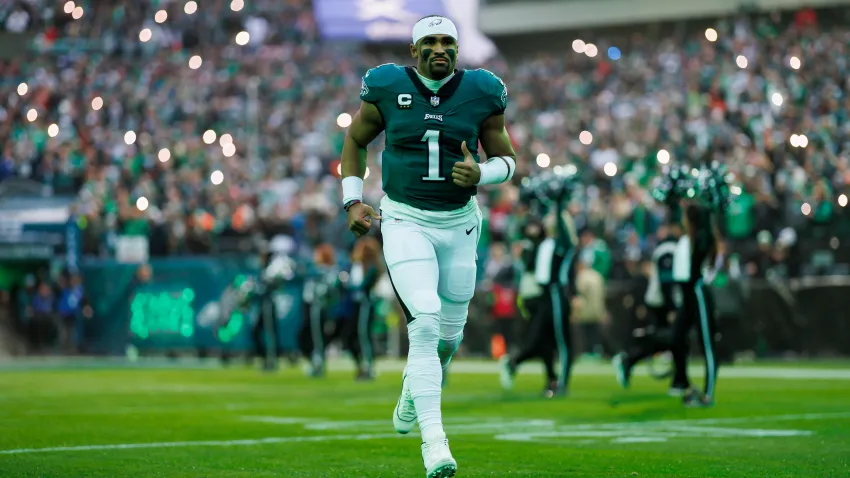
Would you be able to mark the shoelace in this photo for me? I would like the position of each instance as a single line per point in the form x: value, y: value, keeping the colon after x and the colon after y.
x: 407, y: 410
x: 432, y: 447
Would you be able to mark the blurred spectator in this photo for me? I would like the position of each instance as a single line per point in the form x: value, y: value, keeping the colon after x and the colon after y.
x: 589, y: 314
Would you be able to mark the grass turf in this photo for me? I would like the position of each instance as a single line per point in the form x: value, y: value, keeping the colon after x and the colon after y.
x: 238, y: 422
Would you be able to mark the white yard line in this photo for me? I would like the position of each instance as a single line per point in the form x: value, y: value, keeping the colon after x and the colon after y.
x: 652, y: 431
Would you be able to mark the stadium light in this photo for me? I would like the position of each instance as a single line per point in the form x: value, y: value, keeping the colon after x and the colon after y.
x: 777, y: 99
x: 69, y: 7
x: 842, y: 200
x: 161, y: 16
x: 164, y: 155
x: 741, y: 61
x: 53, y: 130
x: 129, y: 137
x: 228, y: 149
x: 586, y: 137
x: 22, y: 89
x: 145, y: 35
x: 77, y: 13
x: 579, y: 46
x: 543, y: 160
x: 225, y: 139
x: 96, y: 103
x: 209, y: 136
x: 590, y: 50
x: 237, y: 5
x: 217, y: 177
x: 711, y: 34
x: 195, y: 62
x: 242, y: 38
x: 610, y: 169
x: 806, y: 208
x: 142, y: 203
x: 663, y: 156
x: 343, y: 120
x: 32, y: 115
x: 794, y: 140
x: 190, y: 7
x: 795, y: 62
x: 802, y: 140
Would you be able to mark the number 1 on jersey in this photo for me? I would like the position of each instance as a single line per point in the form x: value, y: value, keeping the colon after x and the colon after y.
x: 432, y: 136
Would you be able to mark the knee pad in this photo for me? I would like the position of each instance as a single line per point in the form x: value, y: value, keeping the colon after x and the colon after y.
x: 425, y: 303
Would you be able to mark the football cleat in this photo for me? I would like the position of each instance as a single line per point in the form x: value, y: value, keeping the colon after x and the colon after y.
x: 695, y: 399
x: 438, y: 459
x: 404, y: 414
x: 506, y: 373
x: 621, y: 369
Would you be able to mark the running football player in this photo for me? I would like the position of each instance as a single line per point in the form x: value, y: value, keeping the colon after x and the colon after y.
x: 434, y: 117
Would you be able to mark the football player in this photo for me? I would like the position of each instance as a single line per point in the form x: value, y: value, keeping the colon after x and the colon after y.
x: 434, y: 116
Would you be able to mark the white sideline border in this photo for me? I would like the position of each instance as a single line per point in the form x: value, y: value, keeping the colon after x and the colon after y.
x: 582, y: 430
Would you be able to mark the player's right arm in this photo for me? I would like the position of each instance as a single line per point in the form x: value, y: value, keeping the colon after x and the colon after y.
x: 366, y: 125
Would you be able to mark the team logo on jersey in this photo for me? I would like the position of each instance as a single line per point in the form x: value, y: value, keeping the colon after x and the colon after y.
x: 405, y: 101
x: 435, y: 101
x: 433, y: 117
x: 364, y: 90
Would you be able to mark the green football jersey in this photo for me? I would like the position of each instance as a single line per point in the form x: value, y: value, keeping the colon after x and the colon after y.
x: 424, y: 131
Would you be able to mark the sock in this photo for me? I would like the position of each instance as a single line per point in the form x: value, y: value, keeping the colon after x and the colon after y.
x: 424, y: 375
x: 446, y: 350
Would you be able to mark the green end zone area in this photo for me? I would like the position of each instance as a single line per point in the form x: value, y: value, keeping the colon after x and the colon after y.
x: 238, y: 422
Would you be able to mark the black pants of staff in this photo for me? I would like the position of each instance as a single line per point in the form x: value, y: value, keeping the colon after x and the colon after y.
x: 354, y: 331
x: 697, y: 310
x: 265, y: 334
x: 549, y: 336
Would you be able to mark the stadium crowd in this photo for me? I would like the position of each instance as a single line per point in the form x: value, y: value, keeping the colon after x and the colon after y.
x: 142, y: 127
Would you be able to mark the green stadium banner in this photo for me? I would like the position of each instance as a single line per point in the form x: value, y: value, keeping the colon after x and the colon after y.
x: 187, y: 305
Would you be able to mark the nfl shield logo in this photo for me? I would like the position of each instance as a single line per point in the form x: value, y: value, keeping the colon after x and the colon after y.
x: 435, y: 101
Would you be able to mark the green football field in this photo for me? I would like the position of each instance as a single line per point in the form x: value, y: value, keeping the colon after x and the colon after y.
x: 109, y: 420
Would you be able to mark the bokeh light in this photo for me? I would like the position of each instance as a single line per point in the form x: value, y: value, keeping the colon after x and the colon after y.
x: 842, y: 200
x: 614, y: 53
x: 343, y: 120
x: 228, y: 149
x: 777, y: 99
x: 586, y: 137
x: 590, y: 50
x: 209, y: 136
x: 22, y: 89
x: 77, y: 13
x: 543, y: 160
x: 225, y: 139
x: 802, y: 140
x: 237, y: 5
x: 578, y: 46
x: 711, y: 34
x: 53, y: 130
x: 142, y: 203
x: 794, y: 140
x: 217, y: 177
x: 242, y: 38
x: 164, y: 155
x: 663, y: 156
x: 130, y: 137
x: 610, y: 169
x: 795, y: 62
x: 195, y: 62
x: 32, y: 115
x: 96, y: 103
x: 806, y: 208
x: 741, y: 61
x: 145, y: 35
x: 161, y: 16
x: 190, y: 7
x: 69, y: 7
x: 366, y: 175
x: 736, y: 190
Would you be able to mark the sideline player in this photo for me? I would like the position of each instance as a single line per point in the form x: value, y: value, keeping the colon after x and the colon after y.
x: 434, y: 117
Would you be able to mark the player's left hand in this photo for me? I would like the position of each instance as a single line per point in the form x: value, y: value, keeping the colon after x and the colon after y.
x: 466, y: 173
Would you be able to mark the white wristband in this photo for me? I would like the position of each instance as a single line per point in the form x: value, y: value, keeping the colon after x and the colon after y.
x: 352, y: 188
x: 497, y: 169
